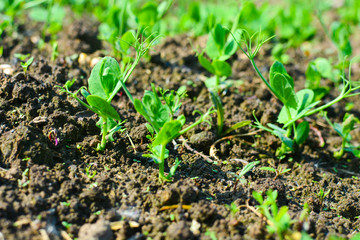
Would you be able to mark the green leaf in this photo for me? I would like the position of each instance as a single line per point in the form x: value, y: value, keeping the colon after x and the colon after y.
x: 230, y: 48
x: 283, y: 218
x: 268, y: 169
x: 248, y: 168
x: 127, y: 39
x: 103, y: 107
x: 155, y: 154
x: 216, y: 42
x: 104, y: 77
x: 278, y: 68
x: 181, y: 119
x: 258, y: 197
x: 236, y: 126
x: 173, y: 168
x: 324, y: 67
x: 84, y: 93
x: 147, y: 16
x: 216, y: 100
x: 283, y: 85
x: 305, y: 103
x: 38, y: 14
x: 305, y: 98
x: 280, y: 133
x: 150, y: 128
x: 302, y: 132
x: 28, y: 62
x: 194, y: 11
x: 69, y: 83
x: 340, y: 34
x: 153, y: 110
x: 349, y: 123
x: 168, y: 132
x: 221, y: 68
x: 206, y: 64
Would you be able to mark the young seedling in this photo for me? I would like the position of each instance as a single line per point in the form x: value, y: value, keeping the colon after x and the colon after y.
x: 24, y: 64
x: 279, y: 171
x: 278, y: 220
x: 344, y: 131
x: 220, y: 47
x: 55, y: 51
x: 322, y: 195
x: 233, y: 208
x: 105, y: 81
x: 247, y: 168
x: 296, y: 105
x: 160, y: 113
x: 90, y: 175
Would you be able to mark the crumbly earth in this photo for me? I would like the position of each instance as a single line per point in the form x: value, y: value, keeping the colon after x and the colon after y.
x: 46, y: 192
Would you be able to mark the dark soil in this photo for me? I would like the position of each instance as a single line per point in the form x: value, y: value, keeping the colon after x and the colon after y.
x: 45, y: 192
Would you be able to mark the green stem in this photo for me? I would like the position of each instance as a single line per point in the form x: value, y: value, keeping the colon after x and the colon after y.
x: 74, y: 95
x: 200, y: 120
x: 126, y: 90
x: 340, y: 153
x: 104, y: 132
x: 129, y: 72
x: 162, y: 176
x: 263, y: 78
x: 217, y: 82
x: 338, y: 99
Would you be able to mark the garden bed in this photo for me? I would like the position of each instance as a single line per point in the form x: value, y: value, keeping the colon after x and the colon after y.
x: 54, y: 184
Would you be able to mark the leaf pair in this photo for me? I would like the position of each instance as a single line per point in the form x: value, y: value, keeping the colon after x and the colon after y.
x: 295, y: 104
x: 103, y: 81
x: 216, y: 67
x: 104, y: 78
x: 279, y: 219
x: 219, y: 45
x: 152, y: 109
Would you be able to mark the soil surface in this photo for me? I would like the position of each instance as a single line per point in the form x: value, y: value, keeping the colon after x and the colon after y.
x: 65, y: 189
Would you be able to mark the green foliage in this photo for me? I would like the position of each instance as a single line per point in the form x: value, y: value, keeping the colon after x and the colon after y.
x: 296, y: 105
x: 350, y: 12
x: 233, y: 208
x: 253, y: 16
x: 295, y: 22
x: 196, y: 19
x: 115, y: 20
x: 344, y: 130
x: 322, y: 195
x: 317, y: 70
x: 247, y: 168
x: 25, y: 65
x: 150, y: 14
x: 49, y: 13
x: 220, y: 46
x: 340, y: 35
x: 279, y: 220
x: 120, y: 18
x: 160, y: 113
x: 105, y: 81
x: 278, y: 52
x: 279, y: 171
